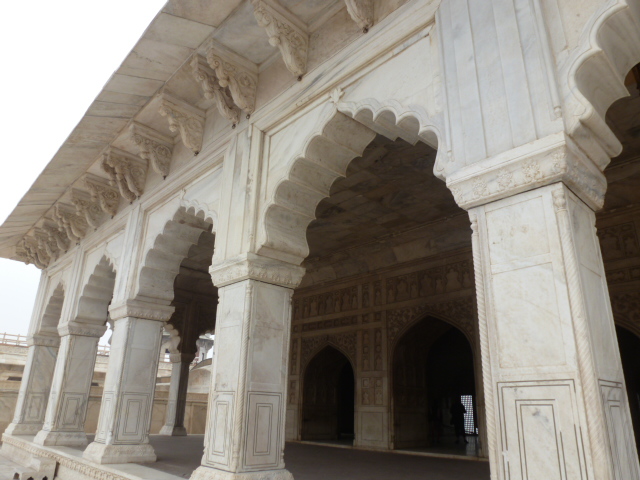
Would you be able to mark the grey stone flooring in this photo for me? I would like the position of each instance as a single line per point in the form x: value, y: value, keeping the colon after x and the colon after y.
x: 181, y: 455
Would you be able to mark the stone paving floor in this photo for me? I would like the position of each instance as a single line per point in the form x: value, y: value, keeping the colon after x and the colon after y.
x: 181, y: 455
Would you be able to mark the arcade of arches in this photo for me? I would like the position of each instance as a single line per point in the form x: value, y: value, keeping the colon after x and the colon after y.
x: 412, y: 227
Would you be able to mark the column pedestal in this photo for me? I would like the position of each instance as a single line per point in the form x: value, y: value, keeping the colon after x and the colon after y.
x: 244, y: 437
x: 35, y: 387
x: 71, y: 386
x: 127, y: 401
x: 177, y: 402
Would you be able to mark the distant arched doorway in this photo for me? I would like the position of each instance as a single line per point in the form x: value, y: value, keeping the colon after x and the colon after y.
x: 629, y: 353
x: 328, y: 397
x: 432, y: 368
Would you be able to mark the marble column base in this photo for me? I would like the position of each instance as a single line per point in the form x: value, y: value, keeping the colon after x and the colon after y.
x: 23, y: 428
x: 102, y: 453
x: 209, y: 473
x: 61, y: 439
x: 172, y: 431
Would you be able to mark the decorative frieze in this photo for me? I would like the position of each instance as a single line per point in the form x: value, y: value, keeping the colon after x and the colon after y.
x: 213, y: 90
x: 184, y: 119
x: 331, y: 323
x: 127, y: 172
x: 235, y: 73
x: 361, y: 12
x: 338, y: 301
x: 153, y: 147
x: 619, y: 241
x: 285, y: 32
x: 103, y: 194
x: 87, y: 208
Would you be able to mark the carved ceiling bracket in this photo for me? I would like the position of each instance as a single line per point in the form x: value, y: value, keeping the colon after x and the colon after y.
x: 46, y: 243
x: 236, y: 73
x: 127, y: 172
x: 29, y: 251
x: 56, y: 234
x: 74, y: 225
x: 153, y: 146
x: 186, y: 119
x: 86, y: 207
x: 286, y: 32
x: 207, y: 79
x: 361, y: 12
x: 103, y: 194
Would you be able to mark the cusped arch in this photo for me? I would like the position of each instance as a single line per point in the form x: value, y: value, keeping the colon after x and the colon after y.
x: 595, y: 77
x: 96, y: 294
x: 341, y: 134
x: 162, y: 261
x: 318, y: 344
x: 51, y: 314
x: 202, y: 211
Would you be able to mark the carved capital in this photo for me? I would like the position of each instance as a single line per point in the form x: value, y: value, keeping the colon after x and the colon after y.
x: 81, y: 329
x: 285, y: 32
x: 126, y: 171
x: 44, y: 340
x: 255, y: 267
x: 141, y: 309
x: 73, y: 224
x: 361, y: 12
x: 212, y: 89
x: 186, y: 119
x: 236, y: 73
x: 87, y: 208
x: 549, y: 160
x: 153, y: 146
x: 103, y: 194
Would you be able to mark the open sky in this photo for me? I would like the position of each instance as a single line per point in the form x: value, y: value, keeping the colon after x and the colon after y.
x: 56, y: 57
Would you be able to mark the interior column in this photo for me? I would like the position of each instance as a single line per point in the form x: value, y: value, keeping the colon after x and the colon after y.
x: 177, y: 401
x: 129, y: 388
x: 244, y: 436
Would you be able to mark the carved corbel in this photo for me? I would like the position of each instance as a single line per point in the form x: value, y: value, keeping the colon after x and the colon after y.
x: 103, y: 194
x: 285, y: 32
x: 213, y: 90
x: 56, y: 234
x: 186, y: 119
x: 87, y: 208
x: 361, y: 12
x: 46, y: 243
x: 74, y: 225
x: 236, y: 73
x: 33, y: 254
x: 127, y: 172
x: 154, y: 147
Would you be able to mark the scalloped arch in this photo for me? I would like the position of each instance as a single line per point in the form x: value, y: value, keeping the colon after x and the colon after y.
x: 200, y: 210
x: 51, y: 316
x: 341, y: 134
x: 96, y: 294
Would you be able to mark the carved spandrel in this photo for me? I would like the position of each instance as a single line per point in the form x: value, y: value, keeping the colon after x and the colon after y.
x: 241, y: 82
x: 153, y: 147
x: 184, y: 119
x: 285, y: 33
x: 213, y: 90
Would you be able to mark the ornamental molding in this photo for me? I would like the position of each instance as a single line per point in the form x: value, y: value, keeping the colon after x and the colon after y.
x: 81, y: 329
x: 73, y: 224
x: 153, y: 146
x: 286, y: 32
x: 185, y: 119
x: 361, y: 12
x: 141, y: 309
x: 103, y: 194
x: 236, y: 73
x: 255, y: 267
x: 86, y: 207
x: 126, y: 171
x: 207, y: 79
x: 552, y: 159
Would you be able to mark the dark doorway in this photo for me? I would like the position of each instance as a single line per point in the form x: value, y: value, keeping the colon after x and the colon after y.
x: 328, y: 398
x: 432, y: 369
x: 630, y: 356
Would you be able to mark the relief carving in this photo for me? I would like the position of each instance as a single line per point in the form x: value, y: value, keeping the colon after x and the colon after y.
x: 240, y: 80
x: 619, y: 241
x: 126, y: 171
x: 103, y: 194
x: 153, y: 147
x: 184, y: 119
x: 361, y: 12
x: 213, y: 90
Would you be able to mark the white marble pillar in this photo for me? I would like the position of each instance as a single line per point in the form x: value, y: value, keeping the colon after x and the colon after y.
x: 244, y: 437
x: 129, y: 388
x: 177, y: 401
x: 35, y: 386
x: 69, y: 396
x: 556, y: 402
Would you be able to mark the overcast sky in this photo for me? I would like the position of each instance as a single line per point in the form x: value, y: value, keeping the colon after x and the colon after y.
x: 56, y: 56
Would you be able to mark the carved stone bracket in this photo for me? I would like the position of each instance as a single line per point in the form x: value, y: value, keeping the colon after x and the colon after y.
x: 56, y: 234
x: 101, y: 192
x: 154, y: 147
x: 86, y: 207
x: 259, y: 268
x: 127, y: 172
x: 361, y: 11
x: 31, y: 253
x: 73, y: 224
x: 236, y: 73
x: 46, y: 243
x: 285, y: 32
x: 186, y: 119
x: 213, y: 90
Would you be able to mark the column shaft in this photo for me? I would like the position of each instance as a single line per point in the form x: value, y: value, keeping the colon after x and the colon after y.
x: 177, y: 401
